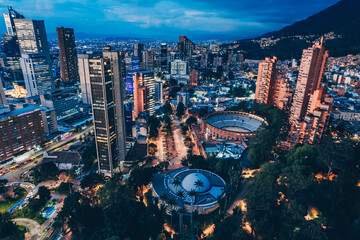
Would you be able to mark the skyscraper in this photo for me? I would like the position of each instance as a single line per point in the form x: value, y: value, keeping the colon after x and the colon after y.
x: 147, y: 63
x: 163, y: 57
x: 272, y: 87
x: 132, y: 65
x: 194, y: 78
x: 186, y: 47
x: 138, y: 49
x: 310, y: 74
x: 159, y: 91
x: 107, y: 83
x: 35, y: 57
x: 118, y: 78
x: 9, y: 20
x: 84, y: 75
x: 32, y: 36
x: 311, y: 107
x: 67, y: 54
x: 11, y: 47
x: 144, y: 94
x: 265, y: 80
x: 37, y: 74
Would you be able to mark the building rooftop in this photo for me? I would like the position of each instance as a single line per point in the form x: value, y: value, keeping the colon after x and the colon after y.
x: 19, y: 111
x: 66, y: 157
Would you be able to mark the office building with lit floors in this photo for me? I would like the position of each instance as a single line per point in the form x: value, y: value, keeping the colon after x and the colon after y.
x: 109, y: 122
x: 164, y: 57
x: 12, y: 50
x: 35, y: 59
x: 117, y: 62
x: 311, y: 106
x: 84, y: 75
x: 144, y: 94
x: 37, y: 74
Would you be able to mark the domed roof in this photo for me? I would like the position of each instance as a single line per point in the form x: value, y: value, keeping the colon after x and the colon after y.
x: 190, y: 182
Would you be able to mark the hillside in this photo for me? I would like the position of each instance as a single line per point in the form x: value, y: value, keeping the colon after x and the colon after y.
x: 339, y: 23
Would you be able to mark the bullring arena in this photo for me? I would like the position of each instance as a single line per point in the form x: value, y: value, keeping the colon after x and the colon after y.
x: 231, y: 125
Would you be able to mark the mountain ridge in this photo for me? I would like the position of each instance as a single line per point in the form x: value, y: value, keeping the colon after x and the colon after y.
x: 340, y: 23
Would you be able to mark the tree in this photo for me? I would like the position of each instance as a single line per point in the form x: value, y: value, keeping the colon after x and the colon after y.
x: 203, y: 112
x: 176, y: 182
x: 154, y: 124
x: 167, y: 108
x: 65, y: 188
x: 141, y: 176
x: 180, y: 110
x: 199, y: 184
x: 262, y: 201
x: 91, y: 180
x: 44, y: 194
x: 7, y: 227
x: 230, y: 228
x: 152, y: 148
x: 191, y: 120
x: 180, y: 194
x: 46, y: 171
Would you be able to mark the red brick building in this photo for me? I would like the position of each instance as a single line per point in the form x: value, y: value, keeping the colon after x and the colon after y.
x: 20, y: 130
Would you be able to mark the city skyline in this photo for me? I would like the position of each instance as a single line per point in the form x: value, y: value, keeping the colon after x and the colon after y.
x: 166, y: 20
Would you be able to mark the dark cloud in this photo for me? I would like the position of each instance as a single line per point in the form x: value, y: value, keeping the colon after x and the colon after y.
x: 168, y: 18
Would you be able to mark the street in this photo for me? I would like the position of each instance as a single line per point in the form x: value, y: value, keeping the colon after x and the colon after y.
x: 39, y: 155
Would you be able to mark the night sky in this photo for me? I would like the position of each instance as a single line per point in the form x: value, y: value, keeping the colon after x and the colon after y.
x: 198, y: 19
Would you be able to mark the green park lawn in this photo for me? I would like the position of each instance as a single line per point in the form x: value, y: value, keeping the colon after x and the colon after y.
x: 5, y: 205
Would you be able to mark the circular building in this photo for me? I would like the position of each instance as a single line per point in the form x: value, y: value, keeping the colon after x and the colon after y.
x: 231, y: 125
x: 194, y: 189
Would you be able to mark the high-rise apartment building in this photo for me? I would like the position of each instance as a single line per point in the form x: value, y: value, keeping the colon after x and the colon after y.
x: 282, y: 92
x: 194, y: 78
x: 20, y: 130
x: 265, y: 80
x: 186, y: 47
x: 107, y: 82
x: 311, y: 106
x: 144, y: 94
x: 159, y: 91
x: 178, y: 67
x: 310, y: 74
x: 147, y: 63
x: 132, y: 65
x: 272, y: 87
x: 138, y: 49
x: 164, y: 57
x: 67, y: 54
x: 37, y: 73
x: 84, y: 75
